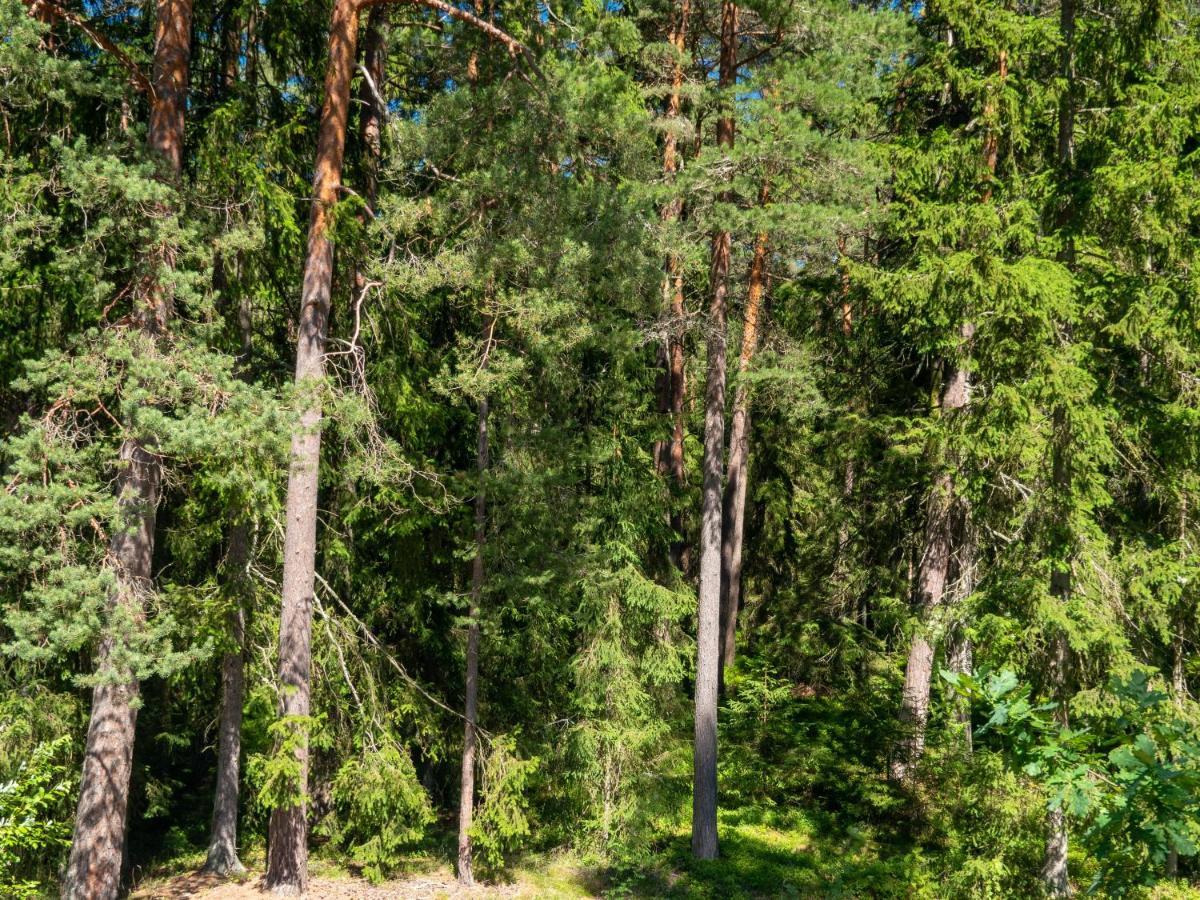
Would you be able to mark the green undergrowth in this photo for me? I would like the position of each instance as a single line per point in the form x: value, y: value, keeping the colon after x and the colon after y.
x: 807, y: 811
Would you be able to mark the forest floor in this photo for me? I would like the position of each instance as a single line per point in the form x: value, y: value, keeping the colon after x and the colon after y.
x: 416, y: 887
x: 550, y: 877
x: 757, y: 861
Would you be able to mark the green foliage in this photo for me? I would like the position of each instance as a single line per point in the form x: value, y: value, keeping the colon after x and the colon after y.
x: 59, y: 511
x: 278, y: 773
x: 1131, y: 777
x: 34, y: 833
x: 501, y: 825
x: 381, y: 809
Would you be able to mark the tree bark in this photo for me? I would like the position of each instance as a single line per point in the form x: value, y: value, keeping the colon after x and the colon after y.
x: 287, y: 860
x: 1178, y: 674
x: 941, y: 536
x: 855, y: 609
x: 669, y: 454
x: 1179, y: 690
x: 1055, y: 874
x: 466, y: 803
x: 932, y: 575
x: 222, y: 846
x: 959, y: 652
x: 97, y: 844
x: 704, y: 761
x: 739, y: 449
x: 372, y: 112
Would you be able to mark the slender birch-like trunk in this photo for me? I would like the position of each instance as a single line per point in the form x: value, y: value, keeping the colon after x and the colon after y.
x: 466, y: 803
x: 704, y: 761
x: 959, y: 651
x: 1055, y: 874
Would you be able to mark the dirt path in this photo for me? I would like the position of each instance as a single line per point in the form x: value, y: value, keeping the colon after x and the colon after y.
x: 433, y: 886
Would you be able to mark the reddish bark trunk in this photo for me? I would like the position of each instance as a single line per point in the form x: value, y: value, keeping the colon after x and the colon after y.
x: 704, y: 761
x: 287, y: 860
x: 739, y: 451
x: 172, y: 49
x: 97, y: 844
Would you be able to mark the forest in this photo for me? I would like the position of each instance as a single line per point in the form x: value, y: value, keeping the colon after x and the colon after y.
x: 599, y: 448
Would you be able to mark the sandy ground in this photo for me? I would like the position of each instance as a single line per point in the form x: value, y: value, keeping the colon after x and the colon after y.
x: 416, y: 887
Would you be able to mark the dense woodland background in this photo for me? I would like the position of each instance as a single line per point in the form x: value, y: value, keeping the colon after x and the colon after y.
x: 832, y: 368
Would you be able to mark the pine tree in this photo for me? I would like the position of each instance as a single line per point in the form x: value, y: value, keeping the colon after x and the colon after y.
x: 94, y: 870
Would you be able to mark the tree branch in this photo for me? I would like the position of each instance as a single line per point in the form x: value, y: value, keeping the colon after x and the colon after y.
x: 136, y: 75
x: 515, y: 48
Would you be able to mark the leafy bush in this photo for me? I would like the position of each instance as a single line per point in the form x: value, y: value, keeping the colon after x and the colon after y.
x: 35, y: 826
x: 1130, y: 776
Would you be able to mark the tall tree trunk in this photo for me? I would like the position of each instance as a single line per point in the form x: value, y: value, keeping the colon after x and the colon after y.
x: 97, y: 845
x: 1179, y: 690
x: 669, y: 454
x: 704, y: 760
x: 944, y: 533
x: 1055, y: 874
x: 222, y: 846
x: 739, y: 450
x: 857, y: 610
x: 287, y: 860
x: 371, y: 114
x: 466, y: 802
x: 848, y: 475
x: 932, y: 576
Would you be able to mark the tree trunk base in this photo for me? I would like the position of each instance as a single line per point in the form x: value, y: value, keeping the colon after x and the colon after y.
x: 465, y: 878
x: 223, y: 861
